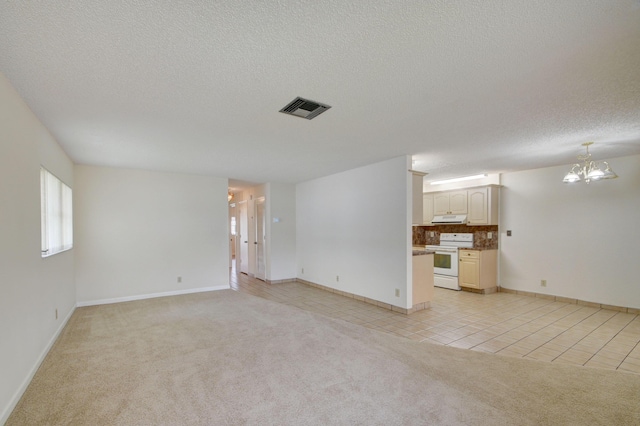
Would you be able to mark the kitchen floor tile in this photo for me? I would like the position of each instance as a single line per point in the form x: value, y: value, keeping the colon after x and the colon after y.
x: 503, y: 323
x: 596, y: 364
x: 633, y: 368
x: 493, y: 345
x: 510, y: 352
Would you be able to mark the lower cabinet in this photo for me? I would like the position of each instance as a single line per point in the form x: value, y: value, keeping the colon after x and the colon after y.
x: 422, y: 280
x: 478, y: 269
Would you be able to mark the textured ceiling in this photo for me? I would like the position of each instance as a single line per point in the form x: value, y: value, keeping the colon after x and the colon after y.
x: 195, y: 86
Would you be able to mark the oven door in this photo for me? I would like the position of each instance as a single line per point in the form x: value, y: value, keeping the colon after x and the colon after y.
x: 445, y: 261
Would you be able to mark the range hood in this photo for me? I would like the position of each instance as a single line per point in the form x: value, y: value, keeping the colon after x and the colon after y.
x: 450, y: 219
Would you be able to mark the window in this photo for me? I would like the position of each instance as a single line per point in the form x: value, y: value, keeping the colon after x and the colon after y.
x: 56, y: 215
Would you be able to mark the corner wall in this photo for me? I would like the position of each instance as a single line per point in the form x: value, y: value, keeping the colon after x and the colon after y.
x: 32, y: 287
x: 281, y: 235
x: 581, y: 238
x: 138, y: 231
x: 357, y: 225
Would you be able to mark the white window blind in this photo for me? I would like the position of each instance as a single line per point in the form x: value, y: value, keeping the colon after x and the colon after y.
x: 56, y: 214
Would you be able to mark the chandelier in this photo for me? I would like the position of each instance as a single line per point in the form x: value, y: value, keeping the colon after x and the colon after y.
x: 588, y: 170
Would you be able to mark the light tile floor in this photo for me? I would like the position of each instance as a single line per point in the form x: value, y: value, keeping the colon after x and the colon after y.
x: 501, y: 323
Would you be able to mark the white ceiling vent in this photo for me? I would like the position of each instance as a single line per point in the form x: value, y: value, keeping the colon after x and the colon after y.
x: 304, y: 108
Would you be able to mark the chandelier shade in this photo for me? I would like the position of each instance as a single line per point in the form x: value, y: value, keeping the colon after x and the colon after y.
x: 588, y: 170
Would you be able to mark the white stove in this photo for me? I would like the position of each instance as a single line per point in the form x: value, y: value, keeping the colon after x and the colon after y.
x: 445, y: 259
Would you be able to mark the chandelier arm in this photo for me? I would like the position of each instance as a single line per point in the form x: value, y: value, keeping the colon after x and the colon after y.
x: 589, y: 169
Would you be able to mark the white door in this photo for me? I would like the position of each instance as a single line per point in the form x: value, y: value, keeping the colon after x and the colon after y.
x: 242, y: 260
x: 232, y: 232
x: 260, y: 239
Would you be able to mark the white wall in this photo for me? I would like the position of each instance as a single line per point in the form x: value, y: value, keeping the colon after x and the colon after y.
x: 137, y: 231
x: 581, y: 238
x: 32, y: 288
x: 281, y: 235
x: 357, y: 224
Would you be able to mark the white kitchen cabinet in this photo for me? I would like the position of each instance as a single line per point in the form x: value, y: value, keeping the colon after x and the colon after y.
x: 441, y: 203
x: 452, y: 202
x: 478, y: 269
x: 422, y: 267
x: 416, y: 190
x: 458, y: 202
x: 483, y: 206
x: 469, y: 270
x: 427, y: 209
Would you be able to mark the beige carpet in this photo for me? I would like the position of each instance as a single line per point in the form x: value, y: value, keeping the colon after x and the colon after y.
x: 230, y: 358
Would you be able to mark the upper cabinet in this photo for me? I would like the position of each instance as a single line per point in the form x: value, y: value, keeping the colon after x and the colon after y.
x: 479, y: 204
x: 453, y: 202
x: 483, y: 206
x: 427, y: 209
x: 416, y: 182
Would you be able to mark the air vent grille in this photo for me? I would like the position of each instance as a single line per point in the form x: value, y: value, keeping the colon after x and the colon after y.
x: 304, y: 108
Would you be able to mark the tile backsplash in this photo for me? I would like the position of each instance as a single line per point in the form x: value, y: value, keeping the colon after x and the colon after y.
x: 422, y: 235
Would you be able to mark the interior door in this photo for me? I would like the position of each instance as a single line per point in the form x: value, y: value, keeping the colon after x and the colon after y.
x: 242, y: 260
x: 232, y: 233
x: 260, y: 239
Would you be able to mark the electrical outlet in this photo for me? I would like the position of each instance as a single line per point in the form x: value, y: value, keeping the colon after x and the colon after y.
x: 337, y: 278
x: 543, y: 283
x: 489, y: 235
x: 397, y: 292
x: 508, y: 233
x: 179, y: 279
x: 432, y: 234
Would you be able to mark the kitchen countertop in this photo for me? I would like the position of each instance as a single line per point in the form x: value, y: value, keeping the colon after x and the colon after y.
x: 422, y: 252
x: 479, y: 248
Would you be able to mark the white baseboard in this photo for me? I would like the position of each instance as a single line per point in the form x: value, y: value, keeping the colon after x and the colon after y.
x: 151, y: 296
x: 25, y: 383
